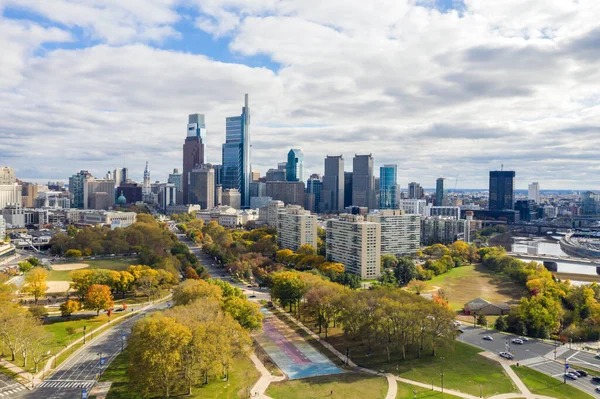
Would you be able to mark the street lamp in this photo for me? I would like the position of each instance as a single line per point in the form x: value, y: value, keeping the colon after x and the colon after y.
x: 442, y: 373
x: 84, y: 328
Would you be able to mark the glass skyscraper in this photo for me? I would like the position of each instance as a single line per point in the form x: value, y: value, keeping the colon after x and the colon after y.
x: 236, y: 154
x: 388, y: 187
x: 502, y: 190
x: 440, y: 194
x: 295, y: 165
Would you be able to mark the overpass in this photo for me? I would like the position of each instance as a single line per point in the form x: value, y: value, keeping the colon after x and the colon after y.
x: 551, y: 261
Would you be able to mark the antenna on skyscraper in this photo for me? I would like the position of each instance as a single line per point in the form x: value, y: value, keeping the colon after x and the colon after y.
x: 501, y: 167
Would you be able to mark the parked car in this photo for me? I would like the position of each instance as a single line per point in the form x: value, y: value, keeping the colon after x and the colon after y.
x: 488, y: 338
x: 574, y: 372
x: 571, y: 376
x: 525, y: 339
x: 517, y: 341
x: 506, y: 355
x: 582, y: 373
x: 597, y: 389
x: 596, y: 379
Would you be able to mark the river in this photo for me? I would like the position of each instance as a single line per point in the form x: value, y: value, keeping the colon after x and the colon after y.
x: 546, y: 246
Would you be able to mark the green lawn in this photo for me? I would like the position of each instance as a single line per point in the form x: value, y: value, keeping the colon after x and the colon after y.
x: 242, y: 376
x: 465, y: 283
x: 59, y: 328
x: 405, y: 391
x: 112, y: 264
x: 346, y: 386
x: 543, y: 384
x: 59, y: 275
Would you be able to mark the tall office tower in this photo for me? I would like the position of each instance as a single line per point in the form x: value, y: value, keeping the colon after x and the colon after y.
x: 356, y: 244
x: 314, y: 186
x: 363, y: 182
x: 29, y: 194
x: 347, y: 189
x: 440, y: 193
x: 502, y: 188
x: 236, y: 154
x: 389, y: 192
x: 120, y: 176
x: 193, y: 148
x: 275, y: 175
x: 589, y: 205
x: 7, y: 176
x: 290, y: 192
x: 146, y: 185
x: 295, y: 165
x: 201, y: 187
x: 98, y: 193
x: 415, y: 191
x: 175, y: 178
x: 76, y: 189
x: 332, y: 195
x: 400, y: 232
x: 534, y: 192
x: 167, y: 196
x: 296, y: 227
x: 255, y: 175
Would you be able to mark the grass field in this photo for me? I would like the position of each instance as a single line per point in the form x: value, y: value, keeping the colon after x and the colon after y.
x: 110, y: 264
x: 543, y: 384
x: 346, y: 386
x: 465, y: 283
x: 242, y: 376
x: 406, y: 391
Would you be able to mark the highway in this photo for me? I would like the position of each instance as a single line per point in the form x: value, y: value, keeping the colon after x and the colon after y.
x: 80, y: 371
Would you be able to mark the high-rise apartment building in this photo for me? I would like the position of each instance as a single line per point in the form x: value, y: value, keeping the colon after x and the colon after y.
x: 389, y: 191
x: 236, y: 154
x: 269, y: 214
x: 314, y: 186
x: 29, y: 194
x: 451, y: 211
x: 2, y: 229
x: 400, y: 232
x: 356, y: 244
x: 295, y: 165
x: 440, y: 193
x: 443, y: 230
x: 98, y: 193
x: 332, y: 195
x: 76, y: 189
x: 296, y: 227
x: 415, y: 191
x: 363, y: 181
x: 193, y: 149
x: 413, y: 206
x: 201, y: 187
x: 502, y: 188
x: 533, y: 192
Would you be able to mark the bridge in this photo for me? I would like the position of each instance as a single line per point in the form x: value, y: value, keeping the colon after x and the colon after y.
x: 551, y: 261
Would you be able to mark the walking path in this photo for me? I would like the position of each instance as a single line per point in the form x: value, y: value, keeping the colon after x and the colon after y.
x: 266, y: 378
x: 22, y: 376
x: 392, y: 380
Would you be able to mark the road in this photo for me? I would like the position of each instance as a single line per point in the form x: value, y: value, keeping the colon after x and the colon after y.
x: 80, y: 371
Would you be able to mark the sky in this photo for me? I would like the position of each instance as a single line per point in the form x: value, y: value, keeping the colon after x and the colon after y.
x: 446, y: 88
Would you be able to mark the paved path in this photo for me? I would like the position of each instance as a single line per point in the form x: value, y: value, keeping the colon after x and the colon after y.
x: 266, y: 378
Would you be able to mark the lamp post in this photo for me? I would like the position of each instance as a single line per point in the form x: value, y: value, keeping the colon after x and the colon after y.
x: 84, y: 328
x: 442, y: 373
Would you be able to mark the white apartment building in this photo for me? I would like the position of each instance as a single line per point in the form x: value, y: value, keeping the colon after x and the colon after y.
x: 400, y: 232
x: 269, y: 214
x: 296, y: 227
x: 413, y: 206
x: 356, y: 244
x: 533, y: 192
x: 452, y: 211
x: 444, y: 230
x: 10, y: 194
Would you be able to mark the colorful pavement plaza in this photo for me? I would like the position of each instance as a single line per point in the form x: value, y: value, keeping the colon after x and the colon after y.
x: 292, y: 354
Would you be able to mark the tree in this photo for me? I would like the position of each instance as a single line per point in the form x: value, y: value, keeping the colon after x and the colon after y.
x: 388, y: 279
x: 406, y: 271
x: 69, y: 307
x: 481, y: 319
x: 98, y: 298
x: 192, y: 290
x: 121, y: 281
x: 388, y: 261
x: 244, y: 312
x: 287, y: 287
x: 81, y: 280
x: 34, y: 261
x: 284, y: 256
x: 501, y: 324
x: 73, y: 253
x: 37, y: 343
x: 306, y: 249
x: 332, y: 267
x: 35, y: 283
x: 39, y: 312
x: 417, y: 286
x: 25, y: 266
x: 13, y: 321
x: 155, y: 349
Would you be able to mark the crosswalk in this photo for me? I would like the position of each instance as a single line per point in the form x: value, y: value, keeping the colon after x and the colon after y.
x: 66, y: 384
x: 9, y: 391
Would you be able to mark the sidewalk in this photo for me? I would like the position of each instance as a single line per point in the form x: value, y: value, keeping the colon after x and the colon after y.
x: 259, y: 389
x: 23, y: 377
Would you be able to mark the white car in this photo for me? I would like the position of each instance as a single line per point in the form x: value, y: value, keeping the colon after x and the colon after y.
x: 506, y: 355
x: 488, y: 338
x: 517, y: 341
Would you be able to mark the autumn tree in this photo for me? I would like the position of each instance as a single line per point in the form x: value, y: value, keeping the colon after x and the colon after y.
x: 246, y: 313
x: 287, y: 287
x: 35, y: 283
x: 73, y: 253
x: 25, y: 266
x: 69, y: 307
x: 417, y: 286
x: 98, y: 298
x: 192, y: 290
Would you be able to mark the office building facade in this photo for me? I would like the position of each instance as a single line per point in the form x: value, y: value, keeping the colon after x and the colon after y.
x: 236, y: 154
x: 332, y: 194
x: 76, y: 189
x: 291, y: 193
x: 201, y: 187
x: 440, y: 193
x: 363, y: 181
x: 29, y: 194
x: 193, y: 149
x: 389, y: 191
x: 356, y: 244
x: 295, y: 165
x: 502, y: 187
x: 232, y: 198
x: 296, y: 227
x: 314, y: 186
x: 415, y: 191
x: 533, y: 192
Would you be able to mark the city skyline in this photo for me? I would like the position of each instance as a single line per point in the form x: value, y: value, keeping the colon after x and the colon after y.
x: 459, y: 106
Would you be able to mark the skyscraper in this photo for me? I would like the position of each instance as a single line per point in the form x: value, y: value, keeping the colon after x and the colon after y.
x: 236, y: 154
x: 502, y: 186
x: 120, y: 176
x: 534, y: 192
x: 389, y: 192
x: 347, y: 189
x: 146, y: 185
x: 193, y: 149
x: 415, y: 191
x: 363, y: 182
x: 76, y: 189
x: 332, y: 195
x: 295, y: 165
x: 440, y: 193
x: 314, y: 186
x: 202, y: 187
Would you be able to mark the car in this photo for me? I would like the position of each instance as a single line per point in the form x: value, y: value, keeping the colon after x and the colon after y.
x: 597, y: 389
x: 461, y: 331
x: 525, y: 339
x: 252, y: 296
x: 456, y: 323
x: 249, y: 285
x: 506, y: 355
x: 571, y: 376
x: 597, y: 356
x: 517, y: 341
x: 575, y: 372
x: 596, y: 379
x: 582, y: 373
x: 488, y: 338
